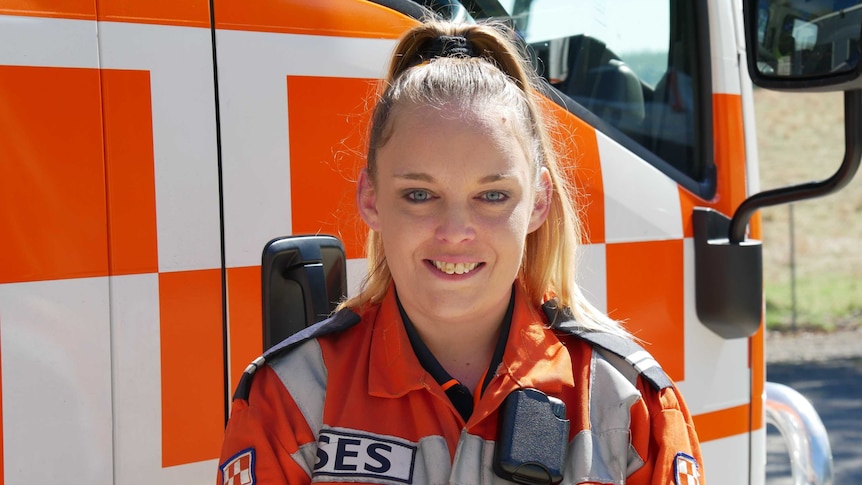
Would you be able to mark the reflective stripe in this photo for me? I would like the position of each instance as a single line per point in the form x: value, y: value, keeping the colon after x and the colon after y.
x: 306, y: 456
x: 303, y: 374
x: 432, y: 461
x: 612, y: 393
x: 474, y: 460
x: 589, y: 444
x: 255, y: 365
x: 642, y: 361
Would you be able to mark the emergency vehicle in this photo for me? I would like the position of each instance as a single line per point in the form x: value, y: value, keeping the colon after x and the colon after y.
x: 149, y: 150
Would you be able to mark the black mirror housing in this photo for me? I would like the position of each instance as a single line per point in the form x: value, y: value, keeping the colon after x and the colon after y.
x: 804, y: 45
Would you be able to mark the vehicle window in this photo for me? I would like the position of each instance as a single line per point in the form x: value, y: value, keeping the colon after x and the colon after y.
x: 631, y: 63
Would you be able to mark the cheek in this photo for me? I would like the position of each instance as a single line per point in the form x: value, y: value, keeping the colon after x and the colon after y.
x: 402, y: 232
x: 506, y: 234
x: 396, y: 219
x: 516, y: 223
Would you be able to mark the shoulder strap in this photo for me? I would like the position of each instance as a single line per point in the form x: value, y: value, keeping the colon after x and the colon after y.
x: 342, y: 320
x: 562, y: 319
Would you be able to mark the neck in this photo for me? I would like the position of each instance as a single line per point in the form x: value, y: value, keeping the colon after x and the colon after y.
x: 465, y: 357
x: 463, y: 346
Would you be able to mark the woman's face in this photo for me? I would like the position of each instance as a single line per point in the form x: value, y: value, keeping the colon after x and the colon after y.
x: 454, y: 198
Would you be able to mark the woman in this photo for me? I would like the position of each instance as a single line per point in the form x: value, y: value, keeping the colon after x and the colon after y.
x: 469, y: 300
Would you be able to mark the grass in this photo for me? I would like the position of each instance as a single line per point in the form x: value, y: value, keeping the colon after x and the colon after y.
x: 824, y: 301
x: 800, y: 138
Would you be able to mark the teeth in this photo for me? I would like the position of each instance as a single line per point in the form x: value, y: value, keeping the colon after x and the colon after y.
x: 455, y: 268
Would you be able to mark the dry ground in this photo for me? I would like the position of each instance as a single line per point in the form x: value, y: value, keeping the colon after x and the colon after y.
x: 801, y: 139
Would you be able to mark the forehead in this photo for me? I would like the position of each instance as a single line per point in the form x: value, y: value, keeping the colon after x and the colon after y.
x: 487, y: 112
x: 478, y: 133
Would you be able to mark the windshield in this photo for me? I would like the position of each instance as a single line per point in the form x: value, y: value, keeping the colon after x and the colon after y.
x: 634, y: 64
x: 613, y: 22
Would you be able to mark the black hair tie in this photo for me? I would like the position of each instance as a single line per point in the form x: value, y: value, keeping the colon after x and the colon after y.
x: 448, y: 46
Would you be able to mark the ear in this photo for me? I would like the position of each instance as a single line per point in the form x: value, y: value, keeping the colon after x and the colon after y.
x: 542, y: 202
x: 366, y: 200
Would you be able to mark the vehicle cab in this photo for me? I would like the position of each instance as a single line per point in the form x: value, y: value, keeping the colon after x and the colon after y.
x: 149, y: 150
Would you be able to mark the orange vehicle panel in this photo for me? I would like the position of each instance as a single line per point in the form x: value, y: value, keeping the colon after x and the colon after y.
x: 191, y: 366
x: 729, y: 152
x: 579, y: 149
x: 348, y: 18
x: 730, y: 160
x: 329, y: 156
x: 52, y: 195
x: 244, y: 315
x: 67, y: 9
x: 189, y: 13
x: 130, y: 172
x: 645, y: 280
x: 723, y: 423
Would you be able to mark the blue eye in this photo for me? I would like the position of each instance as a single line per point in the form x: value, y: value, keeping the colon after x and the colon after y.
x: 418, y: 195
x: 495, y: 196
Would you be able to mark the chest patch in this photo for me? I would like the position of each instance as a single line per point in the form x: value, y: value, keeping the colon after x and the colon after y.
x: 239, y: 470
x: 686, y: 470
x: 361, y: 456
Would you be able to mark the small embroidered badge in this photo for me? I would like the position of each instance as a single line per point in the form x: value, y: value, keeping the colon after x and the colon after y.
x: 239, y: 470
x: 685, y: 470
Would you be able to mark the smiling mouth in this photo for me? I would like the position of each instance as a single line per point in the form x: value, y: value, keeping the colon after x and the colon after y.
x: 455, y: 268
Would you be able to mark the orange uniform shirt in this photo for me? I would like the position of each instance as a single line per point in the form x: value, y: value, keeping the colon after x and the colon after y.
x: 356, y: 406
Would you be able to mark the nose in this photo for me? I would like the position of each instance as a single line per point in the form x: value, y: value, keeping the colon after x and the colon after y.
x: 455, y: 224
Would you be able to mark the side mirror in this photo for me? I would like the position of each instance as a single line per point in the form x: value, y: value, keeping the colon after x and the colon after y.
x: 804, y: 44
x: 792, y: 45
x: 303, y: 278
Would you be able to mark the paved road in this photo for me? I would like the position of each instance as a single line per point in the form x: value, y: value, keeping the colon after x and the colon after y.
x: 834, y: 387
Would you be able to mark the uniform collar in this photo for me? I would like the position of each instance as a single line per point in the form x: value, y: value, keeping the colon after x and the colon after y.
x: 534, y: 356
x: 394, y: 368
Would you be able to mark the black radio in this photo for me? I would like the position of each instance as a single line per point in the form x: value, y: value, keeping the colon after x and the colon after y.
x: 532, y: 438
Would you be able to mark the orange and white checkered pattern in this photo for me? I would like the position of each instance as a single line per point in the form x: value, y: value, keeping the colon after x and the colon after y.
x: 685, y: 470
x: 239, y: 470
x: 114, y: 284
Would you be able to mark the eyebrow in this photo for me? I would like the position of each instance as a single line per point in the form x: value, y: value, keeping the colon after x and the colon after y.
x: 424, y: 177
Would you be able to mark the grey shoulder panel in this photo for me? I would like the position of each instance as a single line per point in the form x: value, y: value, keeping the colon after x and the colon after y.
x: 561, y: 319
x: 342, y: 320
